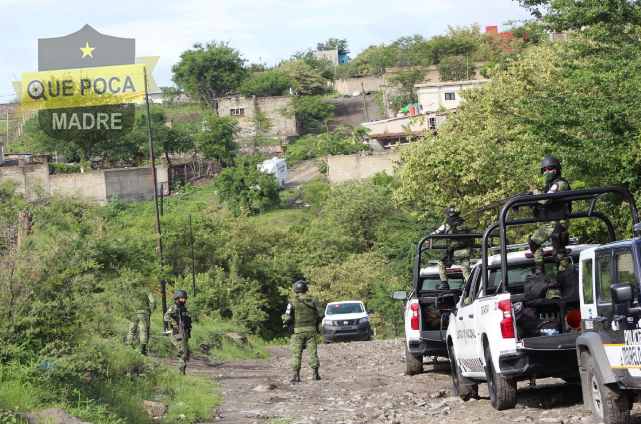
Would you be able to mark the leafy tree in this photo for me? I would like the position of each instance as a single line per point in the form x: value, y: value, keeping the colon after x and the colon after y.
x: 210, y: 71
x: 310, y: 81
x: 170, y: 94
x: 246, y: 189
x: 261, y: 124
x: 405, y: 81
x: 167, y: 140
x: 456, y: 68
x: 357, y: 207
x: 308, y: 110
x: 216, y: 139
x: 576, y: 103
x: 273, y: 82
x: 334, y: 44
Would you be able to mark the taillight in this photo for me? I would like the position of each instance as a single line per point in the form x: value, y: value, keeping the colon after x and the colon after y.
x: 573, y: 319
x: 414, y: 320
x: 507, y: 323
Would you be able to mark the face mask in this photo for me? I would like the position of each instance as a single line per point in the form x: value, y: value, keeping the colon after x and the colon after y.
x: 550, y: 176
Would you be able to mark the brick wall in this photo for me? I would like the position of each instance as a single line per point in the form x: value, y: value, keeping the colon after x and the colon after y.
x: 362, y: 165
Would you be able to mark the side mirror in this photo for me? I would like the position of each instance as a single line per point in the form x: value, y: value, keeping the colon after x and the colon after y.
x: 621, y: 293
x: 399, y: 295
x: 370, y: 311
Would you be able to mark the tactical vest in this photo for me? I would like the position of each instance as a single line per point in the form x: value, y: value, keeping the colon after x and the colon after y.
x: 555, y: 211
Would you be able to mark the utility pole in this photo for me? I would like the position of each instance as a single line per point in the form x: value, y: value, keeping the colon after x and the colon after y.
x: 155, y: 184
x: 364, y: 102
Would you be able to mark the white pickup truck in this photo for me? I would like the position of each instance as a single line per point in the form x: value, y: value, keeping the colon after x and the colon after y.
x: 609, y: 348
x: 425, y: 308
x: 496, y: 333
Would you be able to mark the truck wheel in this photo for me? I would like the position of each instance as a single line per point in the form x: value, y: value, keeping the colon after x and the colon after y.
x: 460, y: 389
x: 413, y: 364
x: 502, y: 391
x: 610, y: 405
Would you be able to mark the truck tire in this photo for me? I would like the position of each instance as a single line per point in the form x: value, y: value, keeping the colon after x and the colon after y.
x: 413, y: 364
x: 609, y: 404
x: 460, y: 389
x: 502, y: 391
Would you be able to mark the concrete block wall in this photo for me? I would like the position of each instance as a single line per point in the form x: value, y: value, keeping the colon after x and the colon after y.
x: 30, y: 178
x: 342, y: 168
x: 128, y: 184
x: 90, y: 185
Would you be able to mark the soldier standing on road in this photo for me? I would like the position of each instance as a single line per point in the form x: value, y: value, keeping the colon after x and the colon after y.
x: 142, y: 304
x: 303, y: 313
x: 458, y: 250
x: 175, y: 315
x: 554, y: 230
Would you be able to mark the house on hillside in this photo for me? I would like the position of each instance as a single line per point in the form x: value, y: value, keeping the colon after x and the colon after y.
x: 431, y: 97
x: 242, y: 108
x: 392, y: 132
x: 337, y: 57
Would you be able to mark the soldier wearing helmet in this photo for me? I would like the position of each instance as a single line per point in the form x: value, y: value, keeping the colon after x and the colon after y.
x: 142, y: 304
x: 302, y: 316
x: 554, y: 227
x: 175, y: 315
x: 458, y: 250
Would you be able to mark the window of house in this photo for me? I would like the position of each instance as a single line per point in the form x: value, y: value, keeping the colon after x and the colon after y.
x: 239, y: 111
x: 432, y: 123
x: 450, y: 96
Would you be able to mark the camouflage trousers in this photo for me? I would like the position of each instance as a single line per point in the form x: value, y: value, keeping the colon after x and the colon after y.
x: 182, y: 361
x: 461, y: 257
x: 138, y: 323
x: 307, y: 340
x: 542, y: 235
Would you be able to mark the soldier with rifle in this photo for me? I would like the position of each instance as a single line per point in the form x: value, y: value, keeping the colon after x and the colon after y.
x: 180, y: 322
x: 555, y: 226
x: 458, y: 250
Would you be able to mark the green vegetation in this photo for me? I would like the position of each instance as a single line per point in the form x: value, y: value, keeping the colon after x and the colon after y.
x: 65, y: 263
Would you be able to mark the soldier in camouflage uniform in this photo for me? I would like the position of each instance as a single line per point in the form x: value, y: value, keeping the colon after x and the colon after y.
x: 142, y: 305
x: 555, y: 231
x: 174, y: 315
x: 458, y: 250
x: 304, y: 313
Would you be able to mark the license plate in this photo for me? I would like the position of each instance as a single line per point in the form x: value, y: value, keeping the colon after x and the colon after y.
x: 346, y: 328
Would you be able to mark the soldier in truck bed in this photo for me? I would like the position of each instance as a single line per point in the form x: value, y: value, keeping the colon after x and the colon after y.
x: 458, y: 250
x: 554, y: 230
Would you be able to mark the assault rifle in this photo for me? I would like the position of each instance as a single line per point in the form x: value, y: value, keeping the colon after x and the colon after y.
x: 182, y: 335
x: 500, y: 202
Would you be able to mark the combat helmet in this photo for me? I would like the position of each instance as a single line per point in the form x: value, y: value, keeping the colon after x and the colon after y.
x: 300, y: 286
x: 451, y: 211
x: 180, y: 293
x: 550, y: 162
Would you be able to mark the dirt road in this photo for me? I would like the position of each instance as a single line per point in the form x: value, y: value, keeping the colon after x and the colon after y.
x: 364, y: 382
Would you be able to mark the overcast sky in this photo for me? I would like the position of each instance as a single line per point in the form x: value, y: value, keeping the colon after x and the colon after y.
x: 265, y: 31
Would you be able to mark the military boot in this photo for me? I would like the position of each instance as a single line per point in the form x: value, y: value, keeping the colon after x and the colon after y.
x: 443, y: 286
x: 316, y: 375
x: 182, y: 369
x: 296, y: 378
x: 539, y: 268
x: 143, y: 349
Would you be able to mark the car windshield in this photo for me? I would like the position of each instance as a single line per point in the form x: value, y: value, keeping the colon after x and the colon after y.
x: 344, y: 308
x: 430, y: 283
